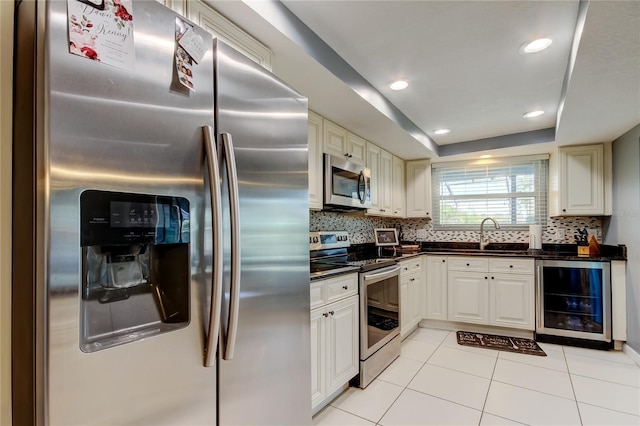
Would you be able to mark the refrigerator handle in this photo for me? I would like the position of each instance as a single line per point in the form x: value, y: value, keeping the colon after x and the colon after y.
x: 216, y: 234
x: 234, y: 207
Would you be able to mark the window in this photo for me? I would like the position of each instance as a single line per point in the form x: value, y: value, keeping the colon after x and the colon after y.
x: 511, y: 190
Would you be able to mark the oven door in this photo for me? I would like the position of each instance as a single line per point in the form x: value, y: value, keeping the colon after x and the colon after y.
x: 379, y: 309
x: 574, y: 299
x: 346, y: 184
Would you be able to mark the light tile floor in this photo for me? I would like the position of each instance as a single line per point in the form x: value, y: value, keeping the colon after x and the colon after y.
x: 438, y: 382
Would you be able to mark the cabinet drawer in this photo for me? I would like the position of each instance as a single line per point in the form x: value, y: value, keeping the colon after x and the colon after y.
x: 471, y: 264
x: 507, y: 265
x: 409, y: 266
x: 341, y: 287
x: 318, y: 294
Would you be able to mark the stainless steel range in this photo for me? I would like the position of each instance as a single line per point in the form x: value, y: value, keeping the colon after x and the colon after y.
x: 379, y: 298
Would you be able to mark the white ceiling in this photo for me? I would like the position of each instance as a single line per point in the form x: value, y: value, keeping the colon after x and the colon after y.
x: 463, y: 62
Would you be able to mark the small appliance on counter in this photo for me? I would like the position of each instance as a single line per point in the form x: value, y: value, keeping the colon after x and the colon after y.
x: 535, y: 238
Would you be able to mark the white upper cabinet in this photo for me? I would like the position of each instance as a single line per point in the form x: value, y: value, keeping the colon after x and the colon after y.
x: 357, y: 148
x: 580, y: 183
x: 419, y: 188
x: 203, y: 15
x: 341, y: 143
x: 398, y: 197
x: 314, y: 124
x: 385, y: 187
x: 177, y: 6
x: 373, y: 163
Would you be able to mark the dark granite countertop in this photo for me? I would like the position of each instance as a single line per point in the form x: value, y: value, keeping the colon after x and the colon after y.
x: 549, y: 251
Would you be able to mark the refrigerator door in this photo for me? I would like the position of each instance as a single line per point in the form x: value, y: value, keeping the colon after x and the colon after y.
x: 265, y: 378
x: 109, y: 129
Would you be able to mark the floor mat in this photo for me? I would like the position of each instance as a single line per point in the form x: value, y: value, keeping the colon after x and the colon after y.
x: 501, y: 343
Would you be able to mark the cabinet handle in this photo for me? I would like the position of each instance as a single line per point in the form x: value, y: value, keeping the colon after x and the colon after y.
x: 443, y: 261
x: 485, y: 278
x: 345, y: 287
x: 412, y: 279
x: 564, y: 210
x: 406, y: 269
x: 427, y: 213
x: 325, y: 314
x: 331, y: 312
x: 510, y: 266
x: 493, y: 278
x: 467, y: 264
x: 417, y: 265
x: 382, y: 210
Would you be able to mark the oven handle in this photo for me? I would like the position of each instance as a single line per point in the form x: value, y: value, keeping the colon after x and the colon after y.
x: 379, y: 276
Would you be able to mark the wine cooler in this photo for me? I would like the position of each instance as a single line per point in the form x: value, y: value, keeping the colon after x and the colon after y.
x: 573, y: 302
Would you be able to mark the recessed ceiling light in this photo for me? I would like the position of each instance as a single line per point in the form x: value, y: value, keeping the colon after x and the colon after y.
x: 533, y: 114
x: 537, y: 45
x: 442, y: 131
x: 399, y: 85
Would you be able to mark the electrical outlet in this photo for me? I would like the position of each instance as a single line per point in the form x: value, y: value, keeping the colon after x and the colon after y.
x: 422, y: 234
x: 593, y: 231
x: 560, y: 234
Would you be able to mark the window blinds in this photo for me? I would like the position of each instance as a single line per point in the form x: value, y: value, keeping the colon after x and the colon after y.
x: 511, y: 190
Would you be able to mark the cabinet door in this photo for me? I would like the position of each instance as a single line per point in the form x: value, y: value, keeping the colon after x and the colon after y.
x: 385, y: 183
x: 582, y: 180
x: 203, y: 15
x: 411, y: 298
x: 415, y: 299
x: 318, y: 356
x: 334, y: 139
x: 436, y: 287
x: 468, y: 297
x: 357, y: 148
x: 511, y: 300
x: 315, y: 161
x: 398, y: 185
x: 419, y: 188
x: 373, y: 163
x: 405, y: 307
x: 343, y: 344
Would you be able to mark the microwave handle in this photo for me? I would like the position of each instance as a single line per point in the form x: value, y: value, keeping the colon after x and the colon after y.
x: 364, y: 193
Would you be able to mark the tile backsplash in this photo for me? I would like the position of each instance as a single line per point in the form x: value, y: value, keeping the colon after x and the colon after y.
x: 361, y: 228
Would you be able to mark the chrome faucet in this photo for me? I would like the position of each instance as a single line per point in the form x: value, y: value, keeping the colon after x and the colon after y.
x: 484, y: 243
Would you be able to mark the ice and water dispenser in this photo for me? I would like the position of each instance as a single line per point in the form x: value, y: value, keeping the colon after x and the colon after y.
x: 135, y: 267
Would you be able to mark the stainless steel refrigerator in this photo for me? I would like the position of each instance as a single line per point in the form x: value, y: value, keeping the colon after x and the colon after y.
x: 160, y: 255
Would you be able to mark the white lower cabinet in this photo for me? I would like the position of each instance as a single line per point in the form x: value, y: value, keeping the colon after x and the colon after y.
x: 436, y: 288
x: 334, y: 338
x: 512, y: 301
x: 411, y: 295
x: 493, y: 291
x: 468, y: 297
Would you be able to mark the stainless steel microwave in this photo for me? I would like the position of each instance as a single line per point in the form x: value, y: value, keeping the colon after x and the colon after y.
x: 347, y: 185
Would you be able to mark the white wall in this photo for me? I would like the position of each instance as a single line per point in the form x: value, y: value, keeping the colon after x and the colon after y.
x: 624, y: 226
x: 6, y: 68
